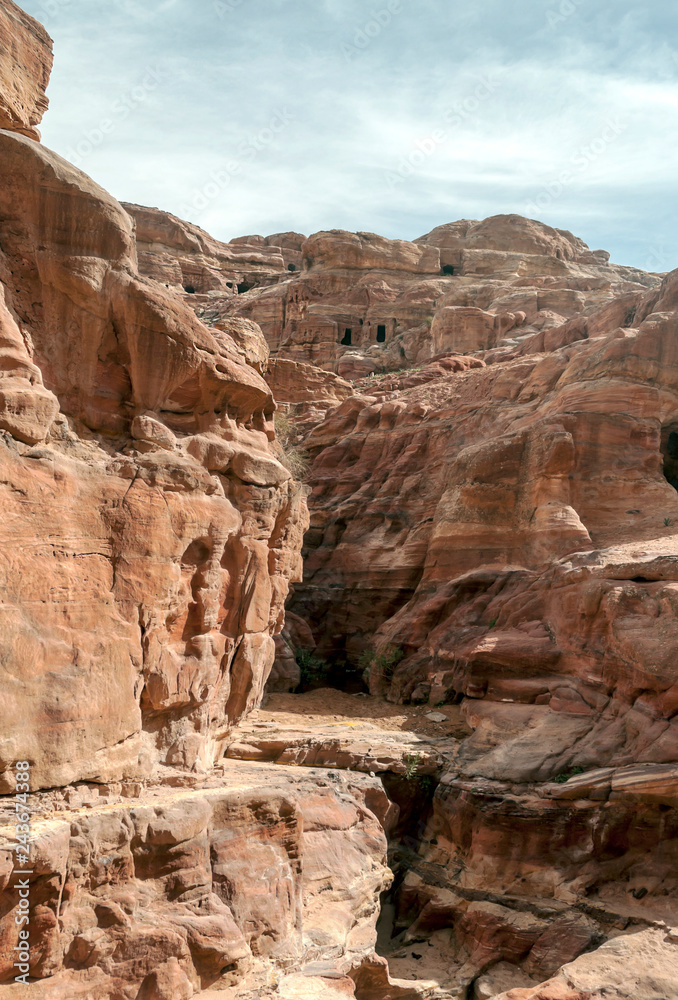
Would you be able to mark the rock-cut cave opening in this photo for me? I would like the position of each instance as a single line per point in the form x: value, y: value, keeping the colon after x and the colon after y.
x: 670, y: 454
x: 447, y: 269
x: 291, y: 267
x: 190, y: 289
x: 381, y: 333
x: 346, y: 339
x: 245, y: 286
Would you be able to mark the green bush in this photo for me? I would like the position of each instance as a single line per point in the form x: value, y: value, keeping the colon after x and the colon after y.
x: 566, y: 775
x: 411, y: 765
x: 383, y: 663
x: 312, y: 669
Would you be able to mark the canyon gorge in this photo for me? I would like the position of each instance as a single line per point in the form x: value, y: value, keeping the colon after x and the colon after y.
x: 339, y: 602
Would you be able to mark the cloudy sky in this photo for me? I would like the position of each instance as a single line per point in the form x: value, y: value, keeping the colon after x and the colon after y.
x: 391, y: 116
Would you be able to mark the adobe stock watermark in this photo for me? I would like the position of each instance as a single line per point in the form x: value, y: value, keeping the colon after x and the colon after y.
x: 51, y: 8
x: 22, y: 870
x: 248, y: 150
x: 364, y: 34
x: 226, y: 7
x: 120, y: 110
x: 561, y: 13
x: 459, y: 113
x: 579, y: 163
x: 658, y: 259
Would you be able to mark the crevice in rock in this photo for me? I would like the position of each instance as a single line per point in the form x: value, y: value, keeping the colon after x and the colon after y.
x: 670, y: 453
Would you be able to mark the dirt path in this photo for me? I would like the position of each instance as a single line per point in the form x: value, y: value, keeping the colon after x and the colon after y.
x: 327, y: 705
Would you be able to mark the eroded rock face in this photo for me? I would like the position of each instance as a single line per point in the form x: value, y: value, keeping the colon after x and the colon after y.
x: 25, y: 67
x: 366, y: 304
x: 491, y: 414
x: 182, y: 256
x: 163, y: 895
x: 139, y: 474
x: 504, y: 536
x: 356, y: 303
x: 511, y: 234
x: 633, y: 966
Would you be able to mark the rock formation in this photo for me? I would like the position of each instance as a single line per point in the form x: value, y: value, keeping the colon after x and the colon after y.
x: 25, y: 66
x: 487, y: 422
x: 364, y: 304
x: 503, y: 536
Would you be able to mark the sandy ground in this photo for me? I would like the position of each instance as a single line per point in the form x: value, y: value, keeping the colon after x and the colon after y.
x: 326, y: 705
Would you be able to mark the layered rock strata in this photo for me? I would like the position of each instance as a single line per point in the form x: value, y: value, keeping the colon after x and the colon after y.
x: 25, y: 67
x: 138, y: 472
x: 499, y: 531
x: 490, y: 416
x: 175, y: 890
x: 365, y: 304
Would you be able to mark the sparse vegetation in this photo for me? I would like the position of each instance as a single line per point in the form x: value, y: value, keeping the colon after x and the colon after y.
x: 428, y: 784
x: 312, y: 669
x: 292, y: 456
x: 493, y: 623
x: 667, y: 521
x: 566, y: 775
x: 411, y: 765
x: 383, y: 663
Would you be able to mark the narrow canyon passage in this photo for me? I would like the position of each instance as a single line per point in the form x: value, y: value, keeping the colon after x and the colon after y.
x: 445, y: 930
x: 338, y: 600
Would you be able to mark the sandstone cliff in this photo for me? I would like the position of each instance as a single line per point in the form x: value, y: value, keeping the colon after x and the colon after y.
x: 149, y: 535
x: 25, y: 66
x: 489, y: 420
x: 497, y: 531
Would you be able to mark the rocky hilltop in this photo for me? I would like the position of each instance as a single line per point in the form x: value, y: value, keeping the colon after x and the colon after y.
x: 339, y: 595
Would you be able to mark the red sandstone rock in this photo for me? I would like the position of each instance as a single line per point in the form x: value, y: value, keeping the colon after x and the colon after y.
x: 25, y: 67
x: 637, y: 966
x: 502, y: 516
x: 362, y: 305
x: 511, y: 234
x: 512, y: 527
x: 367, y: 250
x: 159, y: 896
x: 180, y: 254
x: 305, y: 387
x: 181, y: 562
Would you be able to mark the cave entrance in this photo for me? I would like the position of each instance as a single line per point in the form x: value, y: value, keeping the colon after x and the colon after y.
x: 346, y: 339
x: 447, y: 269
x: 381, y: 333
x: 291, y: 267
x: 670, y: 454
x: 245, y: 286
x: 190, y: 289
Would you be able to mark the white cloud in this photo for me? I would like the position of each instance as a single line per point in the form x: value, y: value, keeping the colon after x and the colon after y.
x: 552, y: 92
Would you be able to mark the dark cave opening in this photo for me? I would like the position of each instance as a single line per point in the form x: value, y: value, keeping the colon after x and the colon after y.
x: 346, y: 339
x: 245, y: 286
x: 190, y: 289
x: 381, y: 333
x: 413, y: 794
x: 670, y: 454
x: 447, y: 269
x: 291, y: 267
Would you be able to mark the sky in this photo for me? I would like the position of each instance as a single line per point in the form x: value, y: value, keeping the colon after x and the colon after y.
x: 386, y: 116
